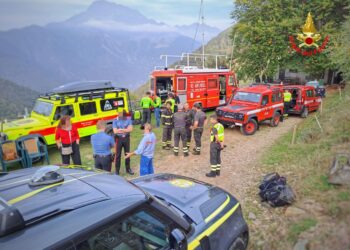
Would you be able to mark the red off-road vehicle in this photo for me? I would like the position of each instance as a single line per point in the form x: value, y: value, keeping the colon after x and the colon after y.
x: 304, y: 100
x: 252, y: 105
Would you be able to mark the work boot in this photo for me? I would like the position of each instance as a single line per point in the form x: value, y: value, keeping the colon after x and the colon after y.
x: 129, y: 171
x: 194, y: 149
x: 217, y: 172
x: 211, y: 174
x: 176, y: 153
x: 196, y: 152
x: 186, y: 154
x: 117, y: 171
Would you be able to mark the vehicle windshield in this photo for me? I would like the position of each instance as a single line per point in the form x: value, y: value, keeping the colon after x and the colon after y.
x: 247, y: 97
x: 314, y: 84
x: 43, y: 108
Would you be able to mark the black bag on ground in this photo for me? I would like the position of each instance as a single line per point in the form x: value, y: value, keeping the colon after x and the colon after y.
x: 275, y: 191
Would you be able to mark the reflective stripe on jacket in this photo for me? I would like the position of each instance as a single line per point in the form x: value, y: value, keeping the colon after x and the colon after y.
x: 220, y: 129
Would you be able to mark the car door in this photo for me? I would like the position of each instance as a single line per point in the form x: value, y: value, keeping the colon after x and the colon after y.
x: 266, y: 108
x: 88, y: 118
x: 213, y: 93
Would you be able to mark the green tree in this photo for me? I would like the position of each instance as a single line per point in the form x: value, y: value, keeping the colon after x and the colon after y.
x: 262, y: 31
x: 341, y: 52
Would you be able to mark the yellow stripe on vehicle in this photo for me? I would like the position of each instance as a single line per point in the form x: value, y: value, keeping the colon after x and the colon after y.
x: 218, y: 210
x: 196, y: 242
x: 32, y: 193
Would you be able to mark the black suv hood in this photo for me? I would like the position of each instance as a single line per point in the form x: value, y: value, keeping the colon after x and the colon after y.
x: 194, y: 198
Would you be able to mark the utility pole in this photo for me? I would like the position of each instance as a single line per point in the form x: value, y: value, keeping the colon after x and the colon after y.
x: 203, y: 51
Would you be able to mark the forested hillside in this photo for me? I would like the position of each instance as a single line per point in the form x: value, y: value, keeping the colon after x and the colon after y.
x: 14, y: 98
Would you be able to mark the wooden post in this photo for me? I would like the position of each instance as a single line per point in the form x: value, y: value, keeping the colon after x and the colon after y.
x: 294, y: 134
x: 318, y: 123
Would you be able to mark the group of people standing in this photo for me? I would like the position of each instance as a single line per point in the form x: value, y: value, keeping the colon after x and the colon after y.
x: 186, y: 121
x: 67, y: 141
x: 178, y: 120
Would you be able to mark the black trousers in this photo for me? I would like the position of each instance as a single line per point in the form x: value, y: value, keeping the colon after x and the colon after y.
x: 188, y: 136
x: 197, y: 134
x: 103, y: 162
x: 75, y: 155
x: 122, y: 143
x: 146, y: 116
x: 215, y: 156
x: 166, y: 138
x: 180, y: 133
x: 287, y: 106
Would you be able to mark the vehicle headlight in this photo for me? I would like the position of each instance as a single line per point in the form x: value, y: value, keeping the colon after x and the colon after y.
x: 239, y: 116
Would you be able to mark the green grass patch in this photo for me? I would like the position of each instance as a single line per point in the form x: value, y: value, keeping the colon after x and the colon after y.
x: 301, y: 226
x: 344, y: 196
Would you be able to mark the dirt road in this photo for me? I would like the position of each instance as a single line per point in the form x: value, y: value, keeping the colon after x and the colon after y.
x: 240, y: 158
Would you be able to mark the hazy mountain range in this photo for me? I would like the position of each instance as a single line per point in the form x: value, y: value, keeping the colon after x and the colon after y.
x: 107, y: 41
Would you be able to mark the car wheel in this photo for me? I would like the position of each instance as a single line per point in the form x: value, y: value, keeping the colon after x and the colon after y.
x: 238, y: 244
x: 275, y: 120
x: 305, y: 113
x: 250, y: 127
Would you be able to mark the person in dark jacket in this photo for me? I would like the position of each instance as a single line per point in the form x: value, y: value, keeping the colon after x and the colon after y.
x: 180, y: 121
x: 167, y: 122
x: 189, y: 122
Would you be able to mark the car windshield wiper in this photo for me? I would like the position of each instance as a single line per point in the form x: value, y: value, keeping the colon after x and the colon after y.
x: 63, y: 210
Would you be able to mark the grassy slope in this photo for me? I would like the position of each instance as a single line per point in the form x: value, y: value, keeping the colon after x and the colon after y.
x: 306, y: 165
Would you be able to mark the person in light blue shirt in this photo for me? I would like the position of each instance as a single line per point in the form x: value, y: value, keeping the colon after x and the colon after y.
x: 101, y: 146
x: 146, y: 150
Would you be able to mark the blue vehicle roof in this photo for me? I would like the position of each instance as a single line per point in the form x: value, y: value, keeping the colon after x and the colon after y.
x: 80, y: 188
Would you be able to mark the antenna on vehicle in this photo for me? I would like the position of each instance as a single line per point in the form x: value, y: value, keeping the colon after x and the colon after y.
x: 203, y: 49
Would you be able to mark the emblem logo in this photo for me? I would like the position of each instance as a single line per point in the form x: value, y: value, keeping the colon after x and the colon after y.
x: 309, y: 39
x: 107, y: 106
x: 181, y: 183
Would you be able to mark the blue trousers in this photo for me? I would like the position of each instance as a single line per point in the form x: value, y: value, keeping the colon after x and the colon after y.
x: 157, y: 116
x: 146, y: 165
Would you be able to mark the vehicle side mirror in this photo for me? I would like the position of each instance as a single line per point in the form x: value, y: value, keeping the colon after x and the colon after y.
x: 177, y: 240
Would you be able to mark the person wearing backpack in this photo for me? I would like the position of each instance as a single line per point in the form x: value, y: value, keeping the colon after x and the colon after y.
x: 67, y: 141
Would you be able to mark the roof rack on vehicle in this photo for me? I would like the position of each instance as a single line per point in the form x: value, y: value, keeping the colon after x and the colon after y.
x: 89, y: 89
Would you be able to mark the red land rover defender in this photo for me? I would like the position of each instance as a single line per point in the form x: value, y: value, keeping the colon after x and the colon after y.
x: 252, y: 105
x: 304, y: 100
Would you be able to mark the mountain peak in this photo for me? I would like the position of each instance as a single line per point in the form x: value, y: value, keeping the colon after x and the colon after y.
x: 102, y: 10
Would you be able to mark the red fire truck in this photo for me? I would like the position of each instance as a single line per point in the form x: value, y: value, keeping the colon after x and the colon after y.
x: 209, y: 87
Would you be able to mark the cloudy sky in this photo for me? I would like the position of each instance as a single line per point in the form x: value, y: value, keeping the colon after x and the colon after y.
x: 20, y: 13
